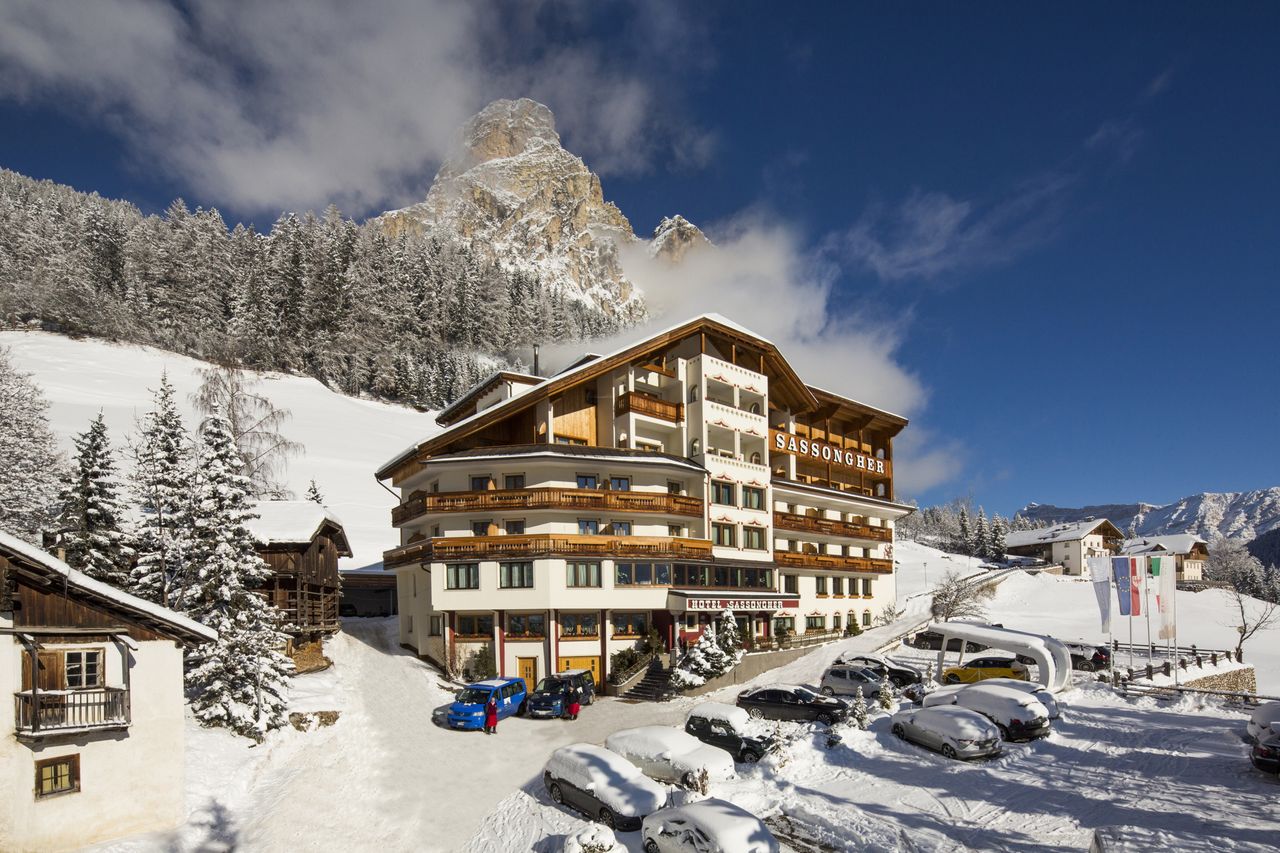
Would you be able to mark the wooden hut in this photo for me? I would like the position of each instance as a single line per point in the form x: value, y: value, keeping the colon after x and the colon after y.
x: 302, y: 541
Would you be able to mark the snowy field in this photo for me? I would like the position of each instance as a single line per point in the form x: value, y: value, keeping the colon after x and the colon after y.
x: 346, y: 439
x: 385, y: 778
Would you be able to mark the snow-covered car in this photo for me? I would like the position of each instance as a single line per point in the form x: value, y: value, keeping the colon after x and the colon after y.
x: 841, y: 680
x: 900, y: 674
x: 792, y: 702
x: 669, y: 755
x: 955, y: 732
x: 707, y: 826
x: 1264, y: 721
x: 1265, y: 755
x: 1042, y: 694
x: 730, y: 728
x: 1018, y: 715
x: 602, y: 785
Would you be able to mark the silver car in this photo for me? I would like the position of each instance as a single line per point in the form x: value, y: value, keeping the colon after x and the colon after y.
x: 955, y: 732
x: 849, y: 680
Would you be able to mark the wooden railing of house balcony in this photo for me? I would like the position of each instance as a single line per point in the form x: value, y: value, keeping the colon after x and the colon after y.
x: 451, y: 548
x: 798, y: 560
x: 643, y: 404
x: 547, y: 498
x: 830, y: 527
x: 44, y: 711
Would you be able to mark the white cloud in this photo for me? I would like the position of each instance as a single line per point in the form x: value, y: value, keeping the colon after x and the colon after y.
x: 270, y: 106
x: 923, y: 460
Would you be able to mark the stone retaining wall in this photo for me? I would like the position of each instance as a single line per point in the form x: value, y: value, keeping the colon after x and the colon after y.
x: 751, y: 666
x: 1241, y: 680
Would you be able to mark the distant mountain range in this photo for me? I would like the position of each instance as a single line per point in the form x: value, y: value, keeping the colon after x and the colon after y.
x: 1236, y: 515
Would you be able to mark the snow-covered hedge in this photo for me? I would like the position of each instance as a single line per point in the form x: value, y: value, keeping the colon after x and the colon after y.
x: 717, y: 651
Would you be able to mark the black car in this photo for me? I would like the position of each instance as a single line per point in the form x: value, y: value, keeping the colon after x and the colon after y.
x: 1266, y: 755
x: 933, y: 640
x: 788, y: 702
x: 552, y: 695
x: 1088, y: 658
x: 899, y: 676
x: 719, y: 732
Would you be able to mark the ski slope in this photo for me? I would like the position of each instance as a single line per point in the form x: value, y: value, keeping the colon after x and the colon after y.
x: 346, y: 438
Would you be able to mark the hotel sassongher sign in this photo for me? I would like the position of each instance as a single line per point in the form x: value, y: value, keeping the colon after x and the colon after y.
x: 822, y: 451
x: 736, y: 604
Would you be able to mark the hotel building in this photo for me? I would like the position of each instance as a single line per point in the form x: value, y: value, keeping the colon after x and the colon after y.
x: 559, y: 520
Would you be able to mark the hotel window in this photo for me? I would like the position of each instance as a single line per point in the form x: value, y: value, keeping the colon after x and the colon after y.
x: 515, y: 575
x: 675, y: 530
x: 674, y: 487
x: 588, y: 526
x: 565, y: 439
x: 57, y: 776
x: 866, y: 586
x: 462, y: 576
x: 835, y: 622
x: 815, y: 623
x: 513, y: 481
x: 783, y: 625
x: 722, y: 493
x: 515, y: 527
x: 84, y: 669
x: 662, y: 574
x: 837, y: 586
x: 620, y: 528
x: 821, y: 585
x: 435, y: 530
x: 480, y: 484
x: 475, y: 626
x: 630, y: 624
x: 752, y: 498
x: 620, y: 484
x: 623, y: 574
x: 481, y: 528
x: 435, y: 487
x: 582, y: 574
x: 436, y: 626
x: 579, y: 624
x: 690, y: 621
x: 753, y: 538
x: 866, y: 619
x: 527, y: 624
x: 791, y: 584
x: 693, y: 393
x: 588, y: 481
x: 723, y: 534
x: 695, y: 447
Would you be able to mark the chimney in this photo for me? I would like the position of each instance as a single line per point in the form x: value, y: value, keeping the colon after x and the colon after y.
x: 535, y: 361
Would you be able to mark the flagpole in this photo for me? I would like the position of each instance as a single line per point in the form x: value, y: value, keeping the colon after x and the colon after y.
x: 1146, y: 603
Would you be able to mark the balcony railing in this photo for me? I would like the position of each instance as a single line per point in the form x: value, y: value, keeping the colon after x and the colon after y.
x: 643, y: 404
x: 830, y: 527
x: 549, y: 498
x: 46, y: 712
x: 797, y: 560
x: 450, y: 548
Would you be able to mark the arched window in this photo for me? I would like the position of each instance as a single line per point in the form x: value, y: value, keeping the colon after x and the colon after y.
x: 695, y: 447
x: 866, y: 619
x: 755, y: 408
x: 755, y: 458
x: 693, y: 393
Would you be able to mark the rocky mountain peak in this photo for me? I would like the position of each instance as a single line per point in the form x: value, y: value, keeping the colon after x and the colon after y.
x: 675, y: 236
x: 503, y: 129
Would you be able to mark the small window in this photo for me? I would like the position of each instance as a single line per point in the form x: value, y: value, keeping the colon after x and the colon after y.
x: 480, y: 484
x: 722, y: 493
x: 621, y: 528
x: 755, y: 408
x: 756, y: 459
x: 515, y: 527
x: 791, y: 584
x: 515, y: 575
x: 753, y: 538
x: 57, y: 776
x: 84, y: 669
x: 579, y: 625
x: 620, y: 484
x: 513, y: 481
x: 752, y: 498
x: 462, y: 576
x: 588, y: 481
x: 837, y: 586
x: 588, y: 526
x: 866, y: 586
x: 436, y: 626
x: 822, y: 585
x: 527, y: 624
x: 675, y: 487
x: 631, y: 624
x: 695, y: 447
x: 481, y: 528
x: 815, y: 623
x: 579, y: 574
x: 675, y: 530
x: 724, y: 535
x: 475, y: 626
x: 866, y: 618
x: 693, y: 393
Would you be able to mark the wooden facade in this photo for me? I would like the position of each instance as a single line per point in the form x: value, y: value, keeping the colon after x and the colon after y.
x: 305, y: 585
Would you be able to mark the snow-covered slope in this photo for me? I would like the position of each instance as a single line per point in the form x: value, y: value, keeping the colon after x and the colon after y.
x: 345, y: 438
x: 1237, y: 515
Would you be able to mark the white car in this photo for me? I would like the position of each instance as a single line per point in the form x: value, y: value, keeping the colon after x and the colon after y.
x: 669, y: 755
x: 1042, y: 694
x: 707, y: 826
x: 602, y: 785
x: 1264, y: 721
x: 955, y: 732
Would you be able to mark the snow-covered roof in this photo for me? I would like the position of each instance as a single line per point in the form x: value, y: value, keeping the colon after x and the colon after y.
x: 1173, y: 543
x: 1068, y: 532
x: 731, y: 714
x: 15, y: 549
x: 294, y: 523
x: 524, y: 380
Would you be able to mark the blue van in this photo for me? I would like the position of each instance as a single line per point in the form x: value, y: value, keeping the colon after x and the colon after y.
x: 467, y: 711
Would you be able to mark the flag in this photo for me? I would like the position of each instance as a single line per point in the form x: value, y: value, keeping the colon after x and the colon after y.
x: 1101, y: 574
x: 1137, y: 578
x: 1164, y: 572
x: 1124, y: 583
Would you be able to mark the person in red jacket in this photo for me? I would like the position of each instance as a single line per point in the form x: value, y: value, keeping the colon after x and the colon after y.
x: 491, y: 715
x: 574, y: 704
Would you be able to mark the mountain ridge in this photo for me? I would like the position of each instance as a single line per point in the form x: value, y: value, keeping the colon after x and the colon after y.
x: 1234, y: 515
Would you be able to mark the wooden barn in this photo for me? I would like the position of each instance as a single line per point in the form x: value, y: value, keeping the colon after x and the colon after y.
x: 302, y: 541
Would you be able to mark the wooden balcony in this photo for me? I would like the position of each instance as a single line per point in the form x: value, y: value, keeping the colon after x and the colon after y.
x: 461, y: 548
x: 547, y: 498
x: 797, y: 560
x: 39, y: 713
x: 643, y: 404
x: 830, y: 527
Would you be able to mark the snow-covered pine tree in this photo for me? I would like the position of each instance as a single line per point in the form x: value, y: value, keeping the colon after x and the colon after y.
x: 29, y: 485
x: 858, y: 714
x: 966, y: 543
x: 313, y: 493
x: 729, y: 639
x: 238, y: 681
x: 90, y: 520
x: 162, y: 483
x: 999, y: 532
x: 886, y: 691
x: 982, y: 536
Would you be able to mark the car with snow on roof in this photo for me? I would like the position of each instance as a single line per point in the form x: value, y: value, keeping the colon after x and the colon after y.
x: 900, y: 674
x: 792, y: 702
x: 1265, y: 754
x: 602, y: 785
x: 841, y: 680
x: 954, y: 732
x: 667, y: 754
x: 707, y: 826
x: 980, y: 669
x: 1017, y: 714
x: 1264, y: 721
x: 467, y: 710
x: 1035, y: 689
x: 730, y: 728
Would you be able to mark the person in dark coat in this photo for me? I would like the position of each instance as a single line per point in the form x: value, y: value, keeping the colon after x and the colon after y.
x: 575, y: 703
x: 491, y: 716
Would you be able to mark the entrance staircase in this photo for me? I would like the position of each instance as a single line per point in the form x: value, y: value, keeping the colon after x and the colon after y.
x: 654, y: 687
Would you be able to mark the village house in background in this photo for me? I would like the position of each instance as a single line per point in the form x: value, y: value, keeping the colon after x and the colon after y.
x: 368, y: 592
x: 93, y: 745
x: 1067, y: 545
x: 557, y: 521
x: 301, y: 541
x: 1189, y: 551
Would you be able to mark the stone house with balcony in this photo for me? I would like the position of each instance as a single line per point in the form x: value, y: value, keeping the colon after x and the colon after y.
x: 1069, y: 545
x: 94, y: 743
x: 560, y: 521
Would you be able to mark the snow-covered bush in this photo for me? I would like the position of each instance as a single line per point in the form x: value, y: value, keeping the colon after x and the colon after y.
x: 711, y: 657
x: 886, y: 692
x: 592, y: 838
x: 858, y: 715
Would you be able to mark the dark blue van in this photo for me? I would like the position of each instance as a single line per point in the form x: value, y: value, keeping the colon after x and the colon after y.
x: 467, y: 711
x: 551, y: 697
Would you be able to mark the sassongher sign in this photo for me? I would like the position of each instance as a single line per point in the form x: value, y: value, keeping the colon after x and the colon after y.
x: 822, y: 451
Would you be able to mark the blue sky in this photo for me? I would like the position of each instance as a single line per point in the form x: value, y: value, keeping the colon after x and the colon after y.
x: 1063, y: 223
